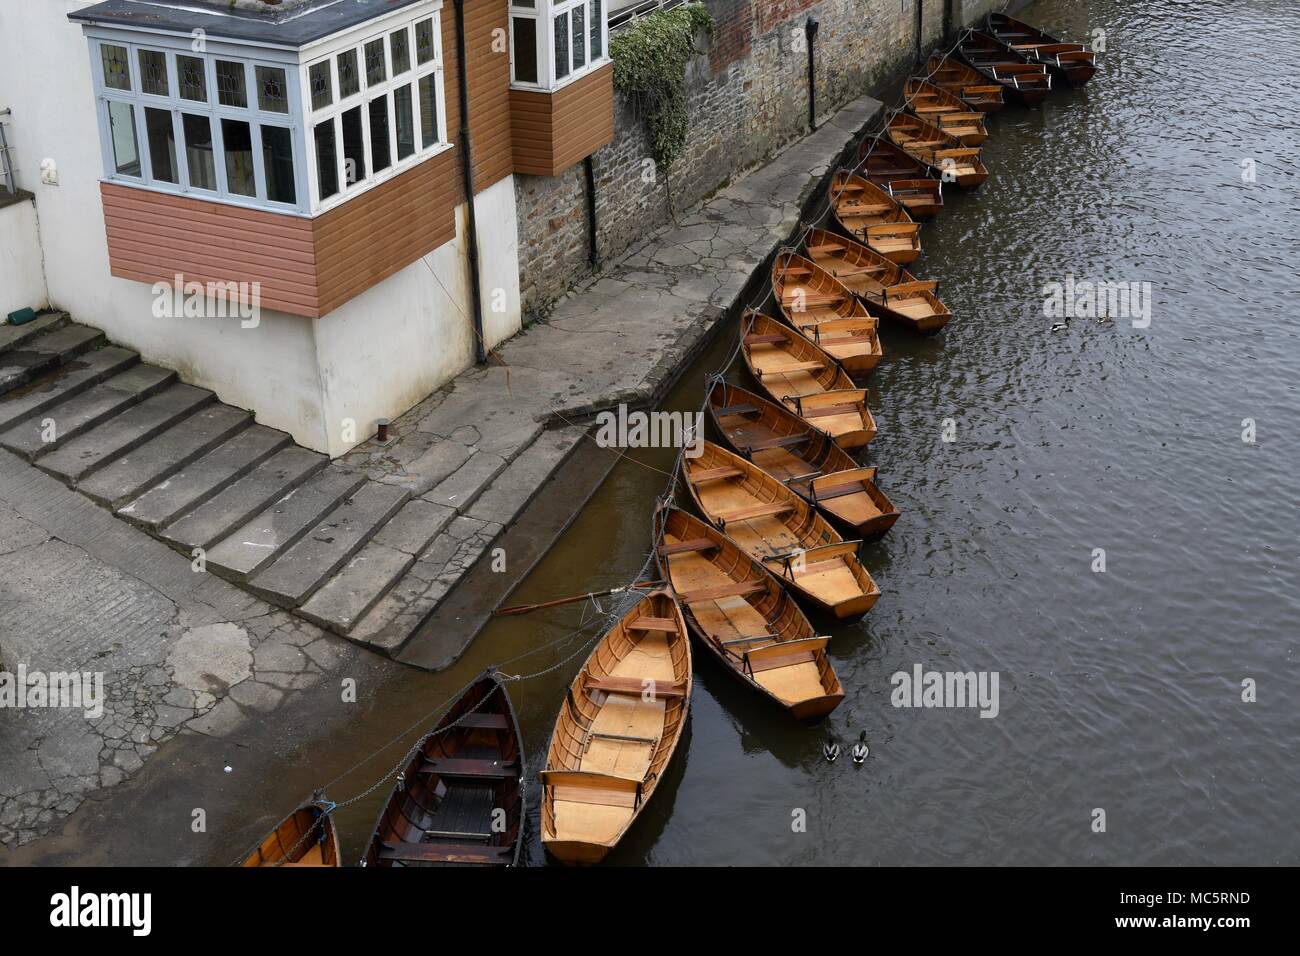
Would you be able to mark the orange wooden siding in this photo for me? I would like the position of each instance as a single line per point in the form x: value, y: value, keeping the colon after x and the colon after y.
x: 552, y: 131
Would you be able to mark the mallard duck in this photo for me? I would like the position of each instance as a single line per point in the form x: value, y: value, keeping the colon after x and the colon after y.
x: 860, y: 749
x: 1062, y: 325
x: 831, y: 750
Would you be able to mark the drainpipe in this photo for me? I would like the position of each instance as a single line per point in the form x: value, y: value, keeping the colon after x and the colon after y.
x: 947, y: 21
x: 467, y: 173
x: 920, y: 13
x: 810, y: 34
x: 593, y: 252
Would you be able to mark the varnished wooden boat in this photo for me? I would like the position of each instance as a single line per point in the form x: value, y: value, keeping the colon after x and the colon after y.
x: 944, y: 154
x: 1072, y: 62
x: 1023, y: 82
x: 460, y: 800
x: 871, y: 215
x: 305, y: 837
x: 826, y: 313
x: 972, y: 86
x: 904, y: 177
x: 617, y: 730
x: 946, y: 110
x: 805, y: 379
x: 775, y: 526
x: 743, y: 617
x: 803, y: 458
x: 887, y: 289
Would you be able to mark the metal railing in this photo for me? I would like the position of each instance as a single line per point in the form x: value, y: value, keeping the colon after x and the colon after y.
x: 6, y: 155
x: 624, y: 16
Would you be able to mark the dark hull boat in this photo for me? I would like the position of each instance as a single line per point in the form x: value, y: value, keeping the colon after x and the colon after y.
x: 1072, y: 62
x: 460, y: 800
x: 1024, y: 82
x: 617, y: 730
x: 965, y: 82
x: 804, y: 458
x: 904, y: 177
x: 305, y: 837
x: 887, y: 289
x: 775, y: 526
x: 740, y: 614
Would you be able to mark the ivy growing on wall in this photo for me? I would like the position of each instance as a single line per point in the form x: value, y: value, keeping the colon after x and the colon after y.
x: 650, y: 57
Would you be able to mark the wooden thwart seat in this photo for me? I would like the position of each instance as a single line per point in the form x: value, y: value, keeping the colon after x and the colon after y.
x: 469, y: 768
x: 757, y: 511
x: 690, y: 544
x: 484, y: 721
x: 778, y: 441
x: 717, y: 591
x: 635, y: 685
x: 444, y: 853
x: 748, y: 409
x: 768, y: 339
x: 716, y: 474
x: 665, y: 624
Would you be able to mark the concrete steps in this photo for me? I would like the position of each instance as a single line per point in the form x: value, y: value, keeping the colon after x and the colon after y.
x: 316, y: 537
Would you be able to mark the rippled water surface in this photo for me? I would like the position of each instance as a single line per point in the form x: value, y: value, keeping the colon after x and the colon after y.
x: 1120, y: 690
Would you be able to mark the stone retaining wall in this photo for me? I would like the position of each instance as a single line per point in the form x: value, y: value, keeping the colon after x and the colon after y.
x: 747, y: 97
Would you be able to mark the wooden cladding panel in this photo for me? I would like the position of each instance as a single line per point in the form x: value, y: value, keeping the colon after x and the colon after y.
x: 489, y: 89
x: 152, y: 236
x: 381, y: 232
x: 552, y: 131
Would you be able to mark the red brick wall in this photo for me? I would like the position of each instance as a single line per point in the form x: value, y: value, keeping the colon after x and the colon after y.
x: 732, y: 31
x: 772, y: 13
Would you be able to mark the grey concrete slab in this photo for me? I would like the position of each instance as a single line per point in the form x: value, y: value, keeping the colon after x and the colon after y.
x: 239, y: 501
x: 254, y: 545
x: 412, y: 528
x: 126, y: 431
x: 45, y: 352
x: 156, y: 459
x: 80, y: 413
x: 299, y: 570
x: 356, y: 588
x: 202, y: 479
x: 507, y: 495
x: 70, y: 379
x: 13, y: 336
x: 460, y: 490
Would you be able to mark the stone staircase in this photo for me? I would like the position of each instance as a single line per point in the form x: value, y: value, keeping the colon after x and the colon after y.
x: 323, y: 539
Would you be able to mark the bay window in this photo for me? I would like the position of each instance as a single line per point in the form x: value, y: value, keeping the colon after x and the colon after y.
x: 295, y: 130
x: 554, y: 42
x: 212, y: 126
x: 376, y: 107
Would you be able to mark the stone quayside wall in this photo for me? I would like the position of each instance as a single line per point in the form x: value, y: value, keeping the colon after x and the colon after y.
x: 747, y: 97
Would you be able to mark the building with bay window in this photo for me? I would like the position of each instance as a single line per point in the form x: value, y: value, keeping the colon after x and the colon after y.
x: 353, y: 161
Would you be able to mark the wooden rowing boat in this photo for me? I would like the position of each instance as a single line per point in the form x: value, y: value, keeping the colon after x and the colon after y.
x: 904, y: 177
x: 944, y: 154
x: 870, y: 214
x: 803, y: 458
x: 740, y: 613
x: 1024, y: 82
x: 887, y: 289
x: 799, y: 375
x: 1072, y: 62
x: 775, y: 526
x: 826, y: 313
x: 460, y: 799
x: 947, y: 111
x: 951, y: 74
x: 617, y: 731
x: 305, y: 837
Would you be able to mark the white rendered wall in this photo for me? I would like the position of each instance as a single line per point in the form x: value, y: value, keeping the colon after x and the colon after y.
x: 373, y: 357
x: 22, y: 276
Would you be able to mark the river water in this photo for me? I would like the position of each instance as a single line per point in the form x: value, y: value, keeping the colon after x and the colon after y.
x: 1120, y: 690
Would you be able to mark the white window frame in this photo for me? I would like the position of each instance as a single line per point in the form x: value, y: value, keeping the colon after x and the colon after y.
x: 546, y: 13
x: 356, y: 40
x: 211, y: 109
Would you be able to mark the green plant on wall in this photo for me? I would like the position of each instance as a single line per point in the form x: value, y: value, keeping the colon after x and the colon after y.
x: 650, y: 59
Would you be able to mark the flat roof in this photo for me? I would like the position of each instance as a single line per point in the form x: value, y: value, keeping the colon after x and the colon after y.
x: 290, y: 23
